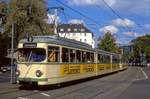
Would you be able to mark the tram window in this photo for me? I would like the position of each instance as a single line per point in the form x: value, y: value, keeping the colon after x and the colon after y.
x: 65, y: 55
x: 102, y: 58
x: 115, y: 59
x: 53, y: 54
x: 84, y: 57
x: 78, y: 54
x: 99, y: 58
x: 92, y: 57
x: 88, y: 57
x: 72, y: 55
x: 106, y: 59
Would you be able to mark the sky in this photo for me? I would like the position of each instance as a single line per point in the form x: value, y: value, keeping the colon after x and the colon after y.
x: 125, y: 19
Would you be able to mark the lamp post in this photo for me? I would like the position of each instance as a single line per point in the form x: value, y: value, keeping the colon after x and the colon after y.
x: 56, y: 9
x: 12, y: 55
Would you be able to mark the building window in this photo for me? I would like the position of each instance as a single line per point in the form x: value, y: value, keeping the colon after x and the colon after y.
x: 82, y: 30
x: 68, y: 34
x: 61, y: 30
x: 84, y: 34
x: 80, y: 40
x: 68, y: 29
x: 74, y: 34
x: 75, y: 30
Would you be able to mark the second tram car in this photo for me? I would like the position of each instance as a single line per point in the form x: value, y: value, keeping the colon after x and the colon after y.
x: 52, y: 60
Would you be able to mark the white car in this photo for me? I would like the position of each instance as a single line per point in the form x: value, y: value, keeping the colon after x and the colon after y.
x: 6, y: 68
x: 3, y: 69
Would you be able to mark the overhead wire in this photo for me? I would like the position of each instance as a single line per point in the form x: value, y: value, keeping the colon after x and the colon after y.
x: 117, y: 14
x: 80, y: 13
x: 139, y: 25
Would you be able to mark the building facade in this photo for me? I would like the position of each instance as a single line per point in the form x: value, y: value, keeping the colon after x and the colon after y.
x: 77, y: 32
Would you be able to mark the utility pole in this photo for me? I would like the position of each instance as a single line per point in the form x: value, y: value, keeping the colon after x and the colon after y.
x: 55, y: 9
x: 55, y: 22
x: 12, y: 55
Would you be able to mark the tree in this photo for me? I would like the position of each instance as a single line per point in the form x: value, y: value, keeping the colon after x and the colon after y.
x: 3, y: 39
x: 108, y: 43
x: 141, y: 46
x: 28, y: 17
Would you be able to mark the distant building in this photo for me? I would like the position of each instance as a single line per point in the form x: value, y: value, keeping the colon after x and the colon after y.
x: 77, y: 32
x: 128, y: 48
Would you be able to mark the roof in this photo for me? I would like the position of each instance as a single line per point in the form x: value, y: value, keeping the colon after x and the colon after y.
x: 59, y: 41
x: 74, y: 28
x: 64, y: 42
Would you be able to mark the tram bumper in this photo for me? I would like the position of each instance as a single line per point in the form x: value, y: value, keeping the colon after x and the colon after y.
x: 32, y: 81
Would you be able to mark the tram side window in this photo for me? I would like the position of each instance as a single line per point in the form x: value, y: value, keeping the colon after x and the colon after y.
x: 72, y: 55
x: 88, y: 57
x: 53, y: 54
x: 115, y: 59
x: 106, y: 59
x: 78, y: 54
x: 84, y: 57
x: 99, y: 58
x: 65, y: 55
x: 92, y: 57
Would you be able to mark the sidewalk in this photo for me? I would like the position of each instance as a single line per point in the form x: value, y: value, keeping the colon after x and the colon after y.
x: 8, y: 87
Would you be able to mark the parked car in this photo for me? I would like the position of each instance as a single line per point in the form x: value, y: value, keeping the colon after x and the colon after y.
x: 6, y: 68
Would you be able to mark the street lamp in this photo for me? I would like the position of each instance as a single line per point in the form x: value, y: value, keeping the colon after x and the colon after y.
x: 12, y: 55
x: 56, y: 9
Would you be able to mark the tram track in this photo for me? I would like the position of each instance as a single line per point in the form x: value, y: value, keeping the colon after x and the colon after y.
x: 115, y: 86
x: 55, y: 96
x: 89, y: 89
x: 98, y: 88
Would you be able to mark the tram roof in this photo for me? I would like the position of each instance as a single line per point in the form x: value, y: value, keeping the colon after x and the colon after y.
x: 59, y: 41
x: 106, y: 52
x: 64, y: 42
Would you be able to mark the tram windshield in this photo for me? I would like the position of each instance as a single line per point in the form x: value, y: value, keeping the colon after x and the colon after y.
x: 31, y: 54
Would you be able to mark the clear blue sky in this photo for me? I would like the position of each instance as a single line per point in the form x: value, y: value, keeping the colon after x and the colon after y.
x: 134, y: 21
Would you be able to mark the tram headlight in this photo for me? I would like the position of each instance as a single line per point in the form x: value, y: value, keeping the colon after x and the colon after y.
x: 38, y: 73
x: 17, y: 72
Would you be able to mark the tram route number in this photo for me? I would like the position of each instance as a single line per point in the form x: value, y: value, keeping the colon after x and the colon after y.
x: 89, y: 68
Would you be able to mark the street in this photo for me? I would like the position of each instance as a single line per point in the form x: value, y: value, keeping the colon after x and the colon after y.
x: 133, y: 83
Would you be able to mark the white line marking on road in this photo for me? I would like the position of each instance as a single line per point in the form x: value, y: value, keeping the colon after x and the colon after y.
x: 35, y: 90
x: 45, y: 94
x: 22, y: 98
x: 146, y: 77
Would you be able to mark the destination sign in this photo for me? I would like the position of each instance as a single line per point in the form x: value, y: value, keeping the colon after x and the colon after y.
x: 29, y: 45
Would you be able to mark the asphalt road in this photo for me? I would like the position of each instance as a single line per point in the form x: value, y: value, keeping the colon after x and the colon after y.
x: 133, y: 83
x: 4, y: 77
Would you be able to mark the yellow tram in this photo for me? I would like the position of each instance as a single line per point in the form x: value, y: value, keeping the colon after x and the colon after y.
x: 53, y: 60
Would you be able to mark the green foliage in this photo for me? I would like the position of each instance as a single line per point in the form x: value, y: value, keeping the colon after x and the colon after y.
x: 4, y: 43
x: 142, y: 45
x: 3, y: 39
x: 108, y: 43
x: 28, y: 16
